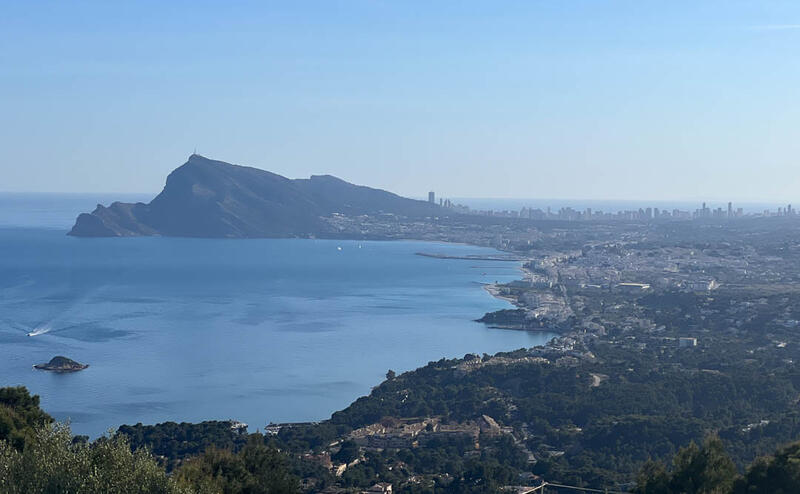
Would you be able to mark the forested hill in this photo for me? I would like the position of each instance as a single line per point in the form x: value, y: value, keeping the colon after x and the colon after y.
x: 209, y: 198
x: 212, y: 458
x: 596, y: 423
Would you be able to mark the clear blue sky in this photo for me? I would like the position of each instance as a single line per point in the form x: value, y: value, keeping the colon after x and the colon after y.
x: 569, y: 99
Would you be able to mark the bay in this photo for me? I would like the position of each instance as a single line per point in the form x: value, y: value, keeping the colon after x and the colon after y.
x: 254, y: 330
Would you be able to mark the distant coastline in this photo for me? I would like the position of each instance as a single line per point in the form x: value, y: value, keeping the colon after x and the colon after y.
x: 501, y: 258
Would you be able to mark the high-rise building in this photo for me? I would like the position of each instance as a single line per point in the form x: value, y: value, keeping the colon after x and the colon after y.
x: 431, y: 197
x: 730, y: 210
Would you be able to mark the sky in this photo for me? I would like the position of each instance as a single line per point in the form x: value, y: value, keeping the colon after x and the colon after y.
x: 677, y: 100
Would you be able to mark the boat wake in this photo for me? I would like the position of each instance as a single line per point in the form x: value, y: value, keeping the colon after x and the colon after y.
x: 60, y: 318
x: 45, y: 328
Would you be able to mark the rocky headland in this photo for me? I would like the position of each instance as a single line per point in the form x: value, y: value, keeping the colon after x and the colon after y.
x: 214, y: 199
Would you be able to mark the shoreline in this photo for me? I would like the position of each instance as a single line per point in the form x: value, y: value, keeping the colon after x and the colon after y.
x: 461, y: 330
x: 471, y: 257
x: 494, y: 290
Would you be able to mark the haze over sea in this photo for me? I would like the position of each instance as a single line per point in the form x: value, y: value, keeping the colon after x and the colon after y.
x: 199, y: 329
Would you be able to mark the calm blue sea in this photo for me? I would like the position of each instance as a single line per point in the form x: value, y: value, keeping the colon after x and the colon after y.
x: 254, y: 330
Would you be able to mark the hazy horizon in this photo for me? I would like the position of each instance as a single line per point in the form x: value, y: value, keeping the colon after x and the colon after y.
x: 475, y: 203
x: 686, y: 101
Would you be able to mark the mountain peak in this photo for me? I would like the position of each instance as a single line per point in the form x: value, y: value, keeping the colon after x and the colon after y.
x: 210, y: 198
x: 199, y: 158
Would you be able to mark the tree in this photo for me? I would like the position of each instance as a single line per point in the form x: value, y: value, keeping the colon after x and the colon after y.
x: 653, y: 479
x: 390, y: 374
x: 20, y: 416
x: 256, y: 469
x: 778, y: 474
x: 51, y: 462
x: 695, y: 470
x: 347, y: 452
x: 706, y: 470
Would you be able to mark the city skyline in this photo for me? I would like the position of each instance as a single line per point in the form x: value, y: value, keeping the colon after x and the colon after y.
x: 612, y: 210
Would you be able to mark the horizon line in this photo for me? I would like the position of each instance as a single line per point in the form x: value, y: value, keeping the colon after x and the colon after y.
x: 458, y: 197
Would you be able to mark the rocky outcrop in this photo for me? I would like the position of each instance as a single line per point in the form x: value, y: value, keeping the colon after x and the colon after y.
x: 208, y: 198
x: 61, y: 364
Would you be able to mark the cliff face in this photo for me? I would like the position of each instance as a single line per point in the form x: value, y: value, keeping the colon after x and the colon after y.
x: 208, y: 198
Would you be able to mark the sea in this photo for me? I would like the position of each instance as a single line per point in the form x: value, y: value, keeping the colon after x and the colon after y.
x: 259, y: 331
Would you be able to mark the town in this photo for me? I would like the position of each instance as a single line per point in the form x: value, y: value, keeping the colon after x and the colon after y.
x: 640, y: 214
x: 668, y: 330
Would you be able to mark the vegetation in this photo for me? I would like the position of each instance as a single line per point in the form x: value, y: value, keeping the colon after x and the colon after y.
x: 255, y: 469
x: 701, y: 470
x: 446, y: 464
x: 650, y: 403
x: 38, y: 456
x: 174, y: 442
x: 20, y: 416
x: 777, y: 474
x: 643, y: 409
x: 604, y: 432
x: 348, y: 452
x: 51, y: 462
x: 709, y: 470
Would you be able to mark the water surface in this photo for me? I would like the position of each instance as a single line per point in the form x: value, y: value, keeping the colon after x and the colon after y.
x: 256, y: 330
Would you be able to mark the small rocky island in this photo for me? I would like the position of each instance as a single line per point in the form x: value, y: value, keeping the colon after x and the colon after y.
x: 61, y: 364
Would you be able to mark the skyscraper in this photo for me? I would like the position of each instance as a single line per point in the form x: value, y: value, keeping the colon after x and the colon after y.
x: 431, y: 197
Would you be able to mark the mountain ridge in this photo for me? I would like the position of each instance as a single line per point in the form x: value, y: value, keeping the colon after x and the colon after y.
x: 215, y: 199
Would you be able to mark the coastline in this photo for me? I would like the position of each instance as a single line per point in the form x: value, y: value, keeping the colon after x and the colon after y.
x: 495, y: 291
x: 346, y: 378
x: 519, y: 318
x: 472, y: 258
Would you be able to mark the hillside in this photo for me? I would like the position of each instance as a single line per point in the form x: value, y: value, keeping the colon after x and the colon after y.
x: 209, y: 198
